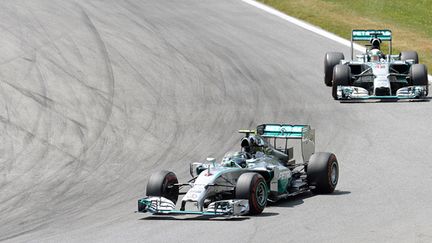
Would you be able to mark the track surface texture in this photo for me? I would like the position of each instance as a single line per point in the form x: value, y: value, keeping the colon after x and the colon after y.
x: 97, y: 95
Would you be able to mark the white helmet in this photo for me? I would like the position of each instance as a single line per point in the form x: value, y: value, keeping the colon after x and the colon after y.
x: 375, y: 55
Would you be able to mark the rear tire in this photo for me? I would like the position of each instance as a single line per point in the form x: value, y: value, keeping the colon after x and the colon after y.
x: 341, y: 76
x: 323, y: 172
x: 406, y: 55
x: 161, y: 184
x: 330, y: 60
x: 252, y: 187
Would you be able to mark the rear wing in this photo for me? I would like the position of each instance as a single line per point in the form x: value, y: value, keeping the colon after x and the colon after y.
x: 368, y: 35
x: 287, y: 131
x: 282, y: 130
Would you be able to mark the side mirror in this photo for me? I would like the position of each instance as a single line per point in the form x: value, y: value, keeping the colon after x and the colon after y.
x: 211, y: 161
x: 196, y: 168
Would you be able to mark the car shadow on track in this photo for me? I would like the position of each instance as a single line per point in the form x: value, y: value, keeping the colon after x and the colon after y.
x: 375, y: 101
x: 299, y: 199
x: 338, y: 192
x: 207, y: 218
x: 195, y: 218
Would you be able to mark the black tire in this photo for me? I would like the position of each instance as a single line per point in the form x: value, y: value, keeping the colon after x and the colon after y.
x: 330, y: 60
x: 419, y: 76
x: 405, y: 55
x: 323, y: 172
x: 341, y: 76
x: 161, y: 184
x: 252, y: 186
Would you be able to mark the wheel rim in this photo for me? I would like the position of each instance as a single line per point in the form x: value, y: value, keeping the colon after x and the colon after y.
x: 334, y: 174
x: 261, y: 194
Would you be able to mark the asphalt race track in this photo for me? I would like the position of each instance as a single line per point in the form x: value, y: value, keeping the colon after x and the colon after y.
x: 96, y: 95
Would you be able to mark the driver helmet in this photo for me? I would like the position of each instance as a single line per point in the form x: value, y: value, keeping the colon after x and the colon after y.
x: 256, y: 141
x: 375, y: 55
x: 375, y: 42
x: 252, y: 141
x: 234, y: 159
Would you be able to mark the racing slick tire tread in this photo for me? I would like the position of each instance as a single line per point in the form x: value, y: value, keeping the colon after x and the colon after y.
x: 319, y: 172
x: 341, y: 76
x: 418, y: 74
x: 330, y: 60
x: 161, y: 184
x: 405, y: 55
x: 246, y: 188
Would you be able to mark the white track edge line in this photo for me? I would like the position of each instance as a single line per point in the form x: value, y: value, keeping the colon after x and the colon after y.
x: 307, y: 26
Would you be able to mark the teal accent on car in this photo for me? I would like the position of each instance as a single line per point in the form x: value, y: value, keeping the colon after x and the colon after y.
x: 145, y: 202
x: 365, y: 35
x: 284, y: 131
x: 282, y: 185
x: 191, y: 212
x: 386, y: 97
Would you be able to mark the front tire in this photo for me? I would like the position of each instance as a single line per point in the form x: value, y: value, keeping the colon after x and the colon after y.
x: 341, y: 76
x: 419, y: 76
x: 252, y: 187
x: 162, y: 184
x: 330, y: 60
x: 323, y: 172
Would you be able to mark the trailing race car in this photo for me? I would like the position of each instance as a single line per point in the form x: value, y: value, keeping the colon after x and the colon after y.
x: 374, y: 75
x: 263, y: 170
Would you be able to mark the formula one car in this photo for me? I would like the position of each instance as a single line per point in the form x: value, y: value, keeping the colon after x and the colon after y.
x: 374, y: 75
x: 263, y: 170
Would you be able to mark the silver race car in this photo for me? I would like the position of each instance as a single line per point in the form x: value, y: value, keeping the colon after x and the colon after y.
x: 242, y: 183
x: 374, y: 75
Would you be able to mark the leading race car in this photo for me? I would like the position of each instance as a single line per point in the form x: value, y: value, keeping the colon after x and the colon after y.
x: 242, y: 183
x: 374, y: 75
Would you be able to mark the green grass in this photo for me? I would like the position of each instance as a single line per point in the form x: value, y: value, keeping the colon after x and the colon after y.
x: 410, y: 21
x: 408, y: 14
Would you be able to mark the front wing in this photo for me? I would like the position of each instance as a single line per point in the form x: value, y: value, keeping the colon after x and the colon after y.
x: 359, y: 93
x: 163, y: 206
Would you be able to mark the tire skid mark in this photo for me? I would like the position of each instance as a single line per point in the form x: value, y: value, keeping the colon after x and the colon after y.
x: 151, y: 27
x: 46, y: 102
x: 160, y: 100
x: 106, y: 58
x: 162, y: 160
x: 39, y: 98
x: 35, y: 49
x: 44, y: 141
x: 143, y: 81
x: 37, y: 124
x: 12, y: 158
x: 69, y: 64
x: 105, y: 95
x: 108, y: 110
x: 33, y: 229
x: 28, y: 133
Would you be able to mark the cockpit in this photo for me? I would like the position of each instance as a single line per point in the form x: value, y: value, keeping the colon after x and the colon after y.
x: 235, y: 159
